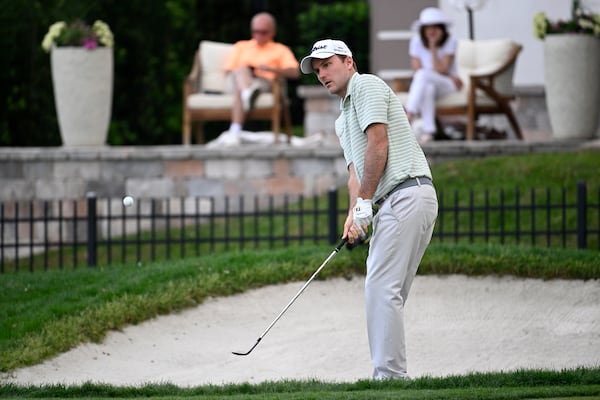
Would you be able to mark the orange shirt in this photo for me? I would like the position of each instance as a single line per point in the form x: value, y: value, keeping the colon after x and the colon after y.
x: 249, y: 53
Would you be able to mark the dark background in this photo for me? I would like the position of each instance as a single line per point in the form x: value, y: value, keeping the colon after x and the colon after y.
x: 155, y: 43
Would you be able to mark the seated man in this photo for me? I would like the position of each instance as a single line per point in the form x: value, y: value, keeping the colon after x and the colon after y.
x: 253, y: 64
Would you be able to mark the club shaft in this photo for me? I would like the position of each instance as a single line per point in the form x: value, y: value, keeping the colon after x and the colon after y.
x: 333, y: 253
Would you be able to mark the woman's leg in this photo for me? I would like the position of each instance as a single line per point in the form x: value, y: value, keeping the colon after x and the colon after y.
x: 427, y: 86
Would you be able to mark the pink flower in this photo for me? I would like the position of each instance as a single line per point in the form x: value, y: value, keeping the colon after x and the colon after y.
x: 90, y: 43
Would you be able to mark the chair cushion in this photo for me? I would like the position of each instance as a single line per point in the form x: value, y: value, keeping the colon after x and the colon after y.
x: 481, y: 56
x: 456, y: 99
x: 220, y: 101
x: 212, y: 58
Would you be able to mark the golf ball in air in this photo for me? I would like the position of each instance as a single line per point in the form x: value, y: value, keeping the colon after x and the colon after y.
x: 127, y: 201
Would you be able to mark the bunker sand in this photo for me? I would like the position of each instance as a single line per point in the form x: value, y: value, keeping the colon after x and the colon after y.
x: 454, y: 325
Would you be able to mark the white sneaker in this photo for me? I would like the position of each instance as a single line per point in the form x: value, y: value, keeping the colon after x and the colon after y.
x: 229, y: 139
x: 420, y: 134
x: 225, y: 139
x: 424, y: 138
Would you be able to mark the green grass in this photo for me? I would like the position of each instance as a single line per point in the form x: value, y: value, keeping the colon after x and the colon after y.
x: 45, y: 313
x: 573, y: 384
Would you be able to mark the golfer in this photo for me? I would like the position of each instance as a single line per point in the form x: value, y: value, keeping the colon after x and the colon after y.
x: 387, y: 170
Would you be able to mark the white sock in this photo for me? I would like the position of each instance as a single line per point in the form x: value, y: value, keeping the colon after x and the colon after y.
x: 235, y: 128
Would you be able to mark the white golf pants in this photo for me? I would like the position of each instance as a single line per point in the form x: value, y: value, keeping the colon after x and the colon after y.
x: 402, y: 229
x: 426, y: 87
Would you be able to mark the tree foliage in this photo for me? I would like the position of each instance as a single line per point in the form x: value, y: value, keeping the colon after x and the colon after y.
x: 154, y: 46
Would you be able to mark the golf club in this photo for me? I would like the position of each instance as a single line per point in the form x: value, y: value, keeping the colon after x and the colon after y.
x: 333, y: 253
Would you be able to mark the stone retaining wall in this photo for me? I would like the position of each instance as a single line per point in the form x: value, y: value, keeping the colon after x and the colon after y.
x: 167, y: 171
x: 194, y: 171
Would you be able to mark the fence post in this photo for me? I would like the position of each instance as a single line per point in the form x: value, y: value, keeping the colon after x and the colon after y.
x: 91, y: 231
x: 581, y: 215
x: 332, y: 214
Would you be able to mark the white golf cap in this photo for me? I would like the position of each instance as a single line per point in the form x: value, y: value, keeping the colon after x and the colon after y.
x: 324, y: 49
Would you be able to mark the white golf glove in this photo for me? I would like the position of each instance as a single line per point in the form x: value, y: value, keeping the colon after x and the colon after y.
x: 363, y: 215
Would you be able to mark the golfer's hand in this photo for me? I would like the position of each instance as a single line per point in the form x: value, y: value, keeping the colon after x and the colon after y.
x: 363, y: 216
x: 351, y: 232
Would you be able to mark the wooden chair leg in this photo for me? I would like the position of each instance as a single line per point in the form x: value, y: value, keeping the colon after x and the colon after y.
x: 199, y: 133
x: 470, y: 134
x: 287, y: 121
x: 187, y: 131
x: 513, y: 120
x: 276, y: 123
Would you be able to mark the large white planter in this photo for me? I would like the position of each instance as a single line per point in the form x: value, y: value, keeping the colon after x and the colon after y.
x: 572, y: 79
x: 83, y: 85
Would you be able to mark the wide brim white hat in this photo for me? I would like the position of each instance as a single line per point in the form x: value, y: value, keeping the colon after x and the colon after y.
x: 324, y: 49
x: 431, y: 16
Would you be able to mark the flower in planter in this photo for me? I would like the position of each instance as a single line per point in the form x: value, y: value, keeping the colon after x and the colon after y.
x: 78, y: 34
x: 581, y: 22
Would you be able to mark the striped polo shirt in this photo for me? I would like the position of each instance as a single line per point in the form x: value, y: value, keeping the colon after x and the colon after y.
x: 370, y: 100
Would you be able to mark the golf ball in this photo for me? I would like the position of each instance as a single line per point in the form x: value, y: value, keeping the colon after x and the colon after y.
x: 127, y: 201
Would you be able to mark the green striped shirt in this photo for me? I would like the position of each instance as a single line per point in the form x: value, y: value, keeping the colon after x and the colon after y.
x: 370, y: 100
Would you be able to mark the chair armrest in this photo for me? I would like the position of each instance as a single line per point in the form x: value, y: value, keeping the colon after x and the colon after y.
x: 486, y: 81
x: 501, y: 68
x: 190, y: 84
x: 401, y: 84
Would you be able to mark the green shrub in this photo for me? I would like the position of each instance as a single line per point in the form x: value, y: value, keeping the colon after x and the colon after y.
x: 347, y: 21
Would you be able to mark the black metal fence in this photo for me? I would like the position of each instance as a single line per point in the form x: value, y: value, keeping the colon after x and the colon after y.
x: 69, y: 233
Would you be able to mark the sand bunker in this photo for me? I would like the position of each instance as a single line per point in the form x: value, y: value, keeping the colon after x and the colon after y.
x: 455, y: 325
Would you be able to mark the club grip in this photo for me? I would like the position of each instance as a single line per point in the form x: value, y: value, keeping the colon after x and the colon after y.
x: 349, y: 245
x: 341, y: 244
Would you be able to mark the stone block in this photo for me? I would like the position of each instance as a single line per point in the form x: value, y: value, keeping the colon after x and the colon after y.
x: 38, y: 170
x: 281, y: 167
x: 184, y: 168
x: 71, y: 188
x: 201, y: 187
x: 122, y: 169
x: 224, y: 169
x: 11, y: 169
x: 319, y: 122
x: 16, y: 189
x: 282, y: 186
x: 150, y: 188
x: 311, y: 166
x: 106, y: 188
x: 78, y: 169
x: 253, y: 168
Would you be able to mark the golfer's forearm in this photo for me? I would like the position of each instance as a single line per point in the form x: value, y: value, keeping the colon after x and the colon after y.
x: 375, y: 160
x: 353, y: 186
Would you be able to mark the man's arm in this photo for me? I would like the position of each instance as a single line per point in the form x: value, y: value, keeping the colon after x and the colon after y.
x: 353, y: 187
x: 289, y: 73
x: 375, y: 159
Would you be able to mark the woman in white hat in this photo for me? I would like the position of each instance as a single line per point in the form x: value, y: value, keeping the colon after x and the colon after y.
x: 432, y: 59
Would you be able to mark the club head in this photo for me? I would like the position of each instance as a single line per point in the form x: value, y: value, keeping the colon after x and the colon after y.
x: 249, y: 351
